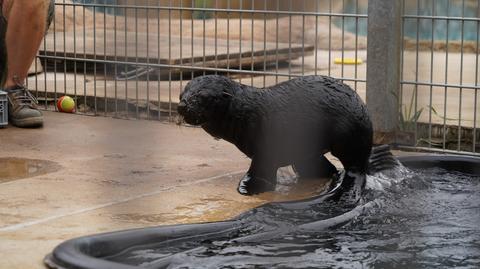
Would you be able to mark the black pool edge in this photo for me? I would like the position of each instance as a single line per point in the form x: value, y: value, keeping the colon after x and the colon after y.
x: 458, y: 163
x: 79, y: 253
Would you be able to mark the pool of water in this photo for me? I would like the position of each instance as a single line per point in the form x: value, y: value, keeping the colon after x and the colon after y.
x: 408, y: 219
x: 439, y: 29
x: 17, y: 168
x: 118, y: 11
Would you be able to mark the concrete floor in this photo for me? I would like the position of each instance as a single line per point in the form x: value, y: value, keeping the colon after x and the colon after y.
x: 108, y: 174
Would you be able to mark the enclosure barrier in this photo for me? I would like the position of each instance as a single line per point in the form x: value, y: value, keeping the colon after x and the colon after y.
x: 439, y: 85
x: 130, y: 59
x: 3, y: 109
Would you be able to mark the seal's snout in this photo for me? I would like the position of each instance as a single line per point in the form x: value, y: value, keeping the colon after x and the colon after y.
x: 182, y: 108
x: 204, y: 99
x: 190, y: 112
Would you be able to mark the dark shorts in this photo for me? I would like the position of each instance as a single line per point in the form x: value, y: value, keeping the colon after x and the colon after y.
x: 3, y: 29
x: 51, y: 10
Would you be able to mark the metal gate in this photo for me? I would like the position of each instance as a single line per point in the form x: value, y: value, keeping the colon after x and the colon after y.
x: 130, y: 59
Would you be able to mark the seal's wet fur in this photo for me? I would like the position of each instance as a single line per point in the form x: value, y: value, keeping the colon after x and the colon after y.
x: 293, y: 123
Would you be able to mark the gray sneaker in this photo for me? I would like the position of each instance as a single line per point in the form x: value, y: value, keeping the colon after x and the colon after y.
x: 22, y: 108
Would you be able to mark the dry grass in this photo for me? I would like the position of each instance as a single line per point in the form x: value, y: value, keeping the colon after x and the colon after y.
x: 453, y: 46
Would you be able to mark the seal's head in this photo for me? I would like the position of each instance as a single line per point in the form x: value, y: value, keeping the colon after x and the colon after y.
x: 205, y: 98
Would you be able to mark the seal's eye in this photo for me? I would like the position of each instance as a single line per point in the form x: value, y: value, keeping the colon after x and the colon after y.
x: 202, y: 96
x: 227, y: 94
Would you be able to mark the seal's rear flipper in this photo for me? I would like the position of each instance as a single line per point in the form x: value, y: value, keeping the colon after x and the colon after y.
x: 380, y: 159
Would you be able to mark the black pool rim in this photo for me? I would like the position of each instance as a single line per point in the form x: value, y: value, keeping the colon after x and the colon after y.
x: 83, y: 252
x: 463, y: 164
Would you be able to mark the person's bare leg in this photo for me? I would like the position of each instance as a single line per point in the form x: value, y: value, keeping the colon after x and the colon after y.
x: 27, y: 21
x: 26, y: 25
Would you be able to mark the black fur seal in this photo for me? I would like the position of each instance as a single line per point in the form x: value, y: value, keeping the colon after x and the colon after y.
x: 293, y: 123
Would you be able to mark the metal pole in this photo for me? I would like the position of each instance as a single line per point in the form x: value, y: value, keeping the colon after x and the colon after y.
x: 383, y: 69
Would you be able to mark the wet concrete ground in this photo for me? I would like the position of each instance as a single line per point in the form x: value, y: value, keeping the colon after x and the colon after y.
x: 81, y: 175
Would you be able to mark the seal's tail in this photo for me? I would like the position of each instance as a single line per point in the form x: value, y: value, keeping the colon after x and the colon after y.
x: 380, y: 159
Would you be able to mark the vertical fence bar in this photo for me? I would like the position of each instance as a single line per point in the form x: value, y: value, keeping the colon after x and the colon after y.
x: 95, y: 58
x: 460, y: 94
x: 357, y: 12
x: 228, y: 37
x: 216, y: 37
x: 330, y: 37
x: 276, y: 41
x: 415, y: 88
x: 84, y: 62
x: 115, y: 49
x: 45, y: 71
x: 446, y: 81
x: 136, y: 63
x: 191, y: 40
x: 147, y: 22
x: 159, y: 70
x: 303, y: 38
x: 402, y: 64
x: 181, y: 45
x: 342, y: 75
x: 169, y: 61
x: 317, y: 10
x: 252, y: 37
x: 126, y: 59
x: 204, y: 18
x: 240, y: 40
x: 477, y: 47
x: 383, y: 70
x: 64, y: 49
x: 55, y: 71
x: 75, y: 56
x: 431, y: 77
x: 264, y: 42
x: 290, y: 8
x: 105, y: 103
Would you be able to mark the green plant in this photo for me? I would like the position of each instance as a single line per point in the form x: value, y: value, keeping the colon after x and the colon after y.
x: 408, y: 117
x: 440, y: 116
x: 200, y: 14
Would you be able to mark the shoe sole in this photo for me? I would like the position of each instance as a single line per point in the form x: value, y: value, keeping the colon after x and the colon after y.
x: 28, y: 122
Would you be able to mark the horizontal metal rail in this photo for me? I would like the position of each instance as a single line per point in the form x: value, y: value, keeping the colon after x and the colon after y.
x: 463, y: 86
x: 444, y: 18
x: 219, y: 10
x: 435, y: 150
x: 187, y: 67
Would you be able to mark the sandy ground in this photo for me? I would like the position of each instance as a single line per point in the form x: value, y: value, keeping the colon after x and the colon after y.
x: 310, y: 29
x: 86, y: 175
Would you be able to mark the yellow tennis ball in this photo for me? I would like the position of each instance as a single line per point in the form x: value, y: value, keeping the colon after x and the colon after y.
x: 66, y: 104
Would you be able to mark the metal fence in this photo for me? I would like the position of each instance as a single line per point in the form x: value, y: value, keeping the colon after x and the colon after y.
x: 130, y: 59
x: 440, y: 72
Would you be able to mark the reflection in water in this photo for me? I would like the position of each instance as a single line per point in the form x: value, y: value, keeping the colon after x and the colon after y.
x: 428, y: 220
x: 16, y: 168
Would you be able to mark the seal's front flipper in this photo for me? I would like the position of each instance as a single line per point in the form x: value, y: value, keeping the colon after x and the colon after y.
x: 250, y: 185
x: 261, y: 177
x: 318, y: 167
